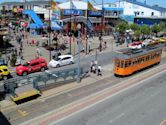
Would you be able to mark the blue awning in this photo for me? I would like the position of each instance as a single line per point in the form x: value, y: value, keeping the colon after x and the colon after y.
x: 33, y: 26
x: 55, y: 26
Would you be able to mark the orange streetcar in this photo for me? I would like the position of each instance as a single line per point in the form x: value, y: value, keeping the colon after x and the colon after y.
x: 128, y: 61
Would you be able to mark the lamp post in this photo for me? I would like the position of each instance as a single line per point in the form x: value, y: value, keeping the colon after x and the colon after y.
x: 5, y: 40
x: 102, y: 25
x: 78, y: 72
x: 70, y: 34
x: 49, y: 33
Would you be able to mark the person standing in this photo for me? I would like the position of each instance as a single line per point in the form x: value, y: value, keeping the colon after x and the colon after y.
x: 99, y: 73
x: 91, y: 66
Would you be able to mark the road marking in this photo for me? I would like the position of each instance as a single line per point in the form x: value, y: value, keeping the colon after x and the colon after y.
x: 117, y: 118
x: 164, y: 121
x: 22, y: 113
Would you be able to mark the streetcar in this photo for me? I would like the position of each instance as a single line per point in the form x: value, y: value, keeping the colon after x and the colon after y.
x: 129, y: 61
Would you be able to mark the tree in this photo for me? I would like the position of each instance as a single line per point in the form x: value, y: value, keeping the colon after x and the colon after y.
x: 122, y: 27
x: 137, y: 34
x: 145, y: 30
x: 156, y: 28
x: 162, y: 26
x: 134, y: 27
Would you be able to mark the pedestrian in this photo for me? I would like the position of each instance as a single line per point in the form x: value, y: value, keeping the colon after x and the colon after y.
x: 99, y: 73
x: 105, y: 44
x: 38, y: 51
x: 100, y: 46
x: 91, y: 66
x: 94, y: 69
x: 33, y: 41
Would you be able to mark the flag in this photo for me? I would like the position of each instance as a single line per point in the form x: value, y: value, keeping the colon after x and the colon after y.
x: 54, y: 6
x: 90, y: 7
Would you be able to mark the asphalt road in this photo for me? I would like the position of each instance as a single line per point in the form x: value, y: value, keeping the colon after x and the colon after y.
x: 144, y: 104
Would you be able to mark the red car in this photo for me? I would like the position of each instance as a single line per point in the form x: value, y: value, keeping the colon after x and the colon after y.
x: 35, y: 65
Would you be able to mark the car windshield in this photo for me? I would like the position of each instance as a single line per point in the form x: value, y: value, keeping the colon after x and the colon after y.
x: 26, y: 64
x: 57, y: 59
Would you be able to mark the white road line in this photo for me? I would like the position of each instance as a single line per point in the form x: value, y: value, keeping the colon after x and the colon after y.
x: 117, y: 118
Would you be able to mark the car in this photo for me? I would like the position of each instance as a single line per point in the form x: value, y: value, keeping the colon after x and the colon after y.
x: 136, y: 45
x: 146, y: 42
x: 61, y: 61
x: 35, y: 65
x: 4, y: 72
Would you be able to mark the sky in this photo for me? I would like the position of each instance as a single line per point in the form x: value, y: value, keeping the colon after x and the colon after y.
x: 161, y: 3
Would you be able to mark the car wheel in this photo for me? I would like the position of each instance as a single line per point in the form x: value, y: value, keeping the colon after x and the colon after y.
x: 5, y: 77
x: 25, y: 73
x: 57, y: 65
x: 71, y: 62
x: 42, y: 69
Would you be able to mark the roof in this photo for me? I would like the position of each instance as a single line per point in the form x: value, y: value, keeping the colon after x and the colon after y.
x: 145, y: 5
x: 130, y: 53
x: 81, y: 5
x: 37, y: 2
x: 162, y: 8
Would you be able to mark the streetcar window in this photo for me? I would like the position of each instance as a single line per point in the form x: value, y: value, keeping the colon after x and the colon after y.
x: 129, y: 63
x: 117, y: 63
x: 122, y: 64
x: 126, y: 63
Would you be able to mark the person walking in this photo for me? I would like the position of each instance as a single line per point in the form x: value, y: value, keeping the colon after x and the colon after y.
x: 38, y: 52
x: 99, y: 73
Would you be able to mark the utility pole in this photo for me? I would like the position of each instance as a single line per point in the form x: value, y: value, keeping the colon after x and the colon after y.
x: 78, y: 73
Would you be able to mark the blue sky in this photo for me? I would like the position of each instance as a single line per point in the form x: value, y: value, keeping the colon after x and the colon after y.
x: 150, y: 2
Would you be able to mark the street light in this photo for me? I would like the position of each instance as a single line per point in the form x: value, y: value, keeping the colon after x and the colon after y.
x: 78, y: 73
x: 49, y: 31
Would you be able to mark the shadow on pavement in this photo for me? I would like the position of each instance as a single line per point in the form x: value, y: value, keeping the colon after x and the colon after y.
x: 3, y: 120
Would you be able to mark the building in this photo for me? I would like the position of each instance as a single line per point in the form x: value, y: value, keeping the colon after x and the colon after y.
x: 141, y: 13
x: 128, y: 10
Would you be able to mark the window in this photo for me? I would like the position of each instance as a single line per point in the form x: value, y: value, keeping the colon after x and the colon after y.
x: 36, y: 63
x: 126, y: 63
x: 0, y: 71
x: 129, y: 63
x: 66, y: 58
x: 5, y: 70
x: 152, y: 14
x: 122, y: 64
x: 117, y: 63
x: 142, y: 13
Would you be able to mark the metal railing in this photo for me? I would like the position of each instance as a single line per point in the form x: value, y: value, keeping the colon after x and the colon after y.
x: 45, y: 80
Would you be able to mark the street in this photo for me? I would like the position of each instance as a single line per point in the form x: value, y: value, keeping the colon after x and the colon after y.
x: 142, y: 105
x: 43, y: 106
